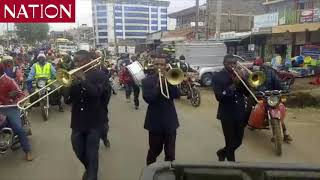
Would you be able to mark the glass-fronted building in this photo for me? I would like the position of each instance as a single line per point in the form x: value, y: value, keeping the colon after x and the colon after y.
x: 127, y: 19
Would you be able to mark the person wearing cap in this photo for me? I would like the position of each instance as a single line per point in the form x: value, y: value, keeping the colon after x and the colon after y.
x: 43, y: 69
x: 15, y: 72
x: 10, y: 94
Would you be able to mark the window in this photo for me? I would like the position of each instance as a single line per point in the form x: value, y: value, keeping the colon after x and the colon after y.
x: 101, y: 8
x: 118, y: 27
x: 306, y: 4
x: 164, y: 10
x: 154, y: 10
x: 102, y: 20
x: 118, y: 14
x: 163, y: 28
x: 163, y: 22
x: 119, y: 8
x: 154, y: 28
x: 135, y: 33
x: 138, y: 21
x: 145, y: 9
x: 118, y: 20
x: 136, y: 15
x: 119, y: 33
x: 101, y: 14
x: 136, y: 28
x: 154, y: 22
x: 102, y: 27
x: 103, y: 40
x: 164, y: 16
x: 103, y: 34
x: 154, y: 16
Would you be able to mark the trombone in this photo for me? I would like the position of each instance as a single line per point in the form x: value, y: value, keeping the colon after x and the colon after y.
x: 64, y: 78
x: 174, y: 76
x: 255, y: 79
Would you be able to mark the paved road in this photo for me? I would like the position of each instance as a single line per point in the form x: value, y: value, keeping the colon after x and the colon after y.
x: 199, y: 137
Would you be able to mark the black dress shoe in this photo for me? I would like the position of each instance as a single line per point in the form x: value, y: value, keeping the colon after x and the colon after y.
x: 221, y: 156
x: 106, y: 143
x: 85, y: 175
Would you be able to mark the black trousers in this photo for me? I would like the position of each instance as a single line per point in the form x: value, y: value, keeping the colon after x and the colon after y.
x: 233, y: 134
x: 136, y: 91
x: 159, y: 142
x: 86, y: 147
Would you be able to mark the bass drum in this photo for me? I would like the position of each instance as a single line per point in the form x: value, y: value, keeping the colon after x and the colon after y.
x: 137, y: 72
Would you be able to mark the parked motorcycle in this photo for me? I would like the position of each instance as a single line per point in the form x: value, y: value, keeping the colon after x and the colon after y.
x: 270, y: 113
x: 189, y: 88
x: 8, y: 139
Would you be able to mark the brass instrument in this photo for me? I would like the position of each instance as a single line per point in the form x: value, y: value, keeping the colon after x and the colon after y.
x: 174, y: 76
x: 64, y: 78
x: 255, y: 79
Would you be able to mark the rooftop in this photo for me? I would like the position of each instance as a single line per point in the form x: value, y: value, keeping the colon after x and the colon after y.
x: 187, y: 11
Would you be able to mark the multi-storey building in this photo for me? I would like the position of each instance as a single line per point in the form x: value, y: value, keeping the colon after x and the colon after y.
x: 298, y: 25
x: 127, y: 21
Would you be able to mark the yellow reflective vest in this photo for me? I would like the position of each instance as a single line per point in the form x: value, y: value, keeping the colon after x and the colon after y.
x: 43, y: 71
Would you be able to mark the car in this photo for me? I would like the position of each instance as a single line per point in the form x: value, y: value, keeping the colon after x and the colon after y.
x: 206, y: 72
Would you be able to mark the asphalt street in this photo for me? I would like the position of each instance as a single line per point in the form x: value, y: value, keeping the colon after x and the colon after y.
x: 199, y: 137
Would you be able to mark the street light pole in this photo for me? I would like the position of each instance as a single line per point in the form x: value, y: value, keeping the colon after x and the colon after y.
x: 197, y: 20
x: 218, y: 19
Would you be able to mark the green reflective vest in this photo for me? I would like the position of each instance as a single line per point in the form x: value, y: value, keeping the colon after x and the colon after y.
x: 43, y: 71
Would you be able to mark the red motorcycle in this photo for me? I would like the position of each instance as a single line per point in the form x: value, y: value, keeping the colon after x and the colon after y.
x: 270, y: 113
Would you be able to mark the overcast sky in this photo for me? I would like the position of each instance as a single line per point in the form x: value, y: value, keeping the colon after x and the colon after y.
x: 83, y: 12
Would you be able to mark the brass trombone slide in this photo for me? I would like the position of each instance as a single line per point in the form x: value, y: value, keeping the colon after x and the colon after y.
x: 63, y: 77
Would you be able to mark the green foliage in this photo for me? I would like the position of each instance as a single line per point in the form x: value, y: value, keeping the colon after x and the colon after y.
x: 32, y: 33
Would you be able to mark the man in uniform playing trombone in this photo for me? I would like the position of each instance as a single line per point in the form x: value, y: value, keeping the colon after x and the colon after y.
x: 161, y: 119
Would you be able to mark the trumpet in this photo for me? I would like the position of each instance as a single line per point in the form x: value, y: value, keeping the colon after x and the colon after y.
x: 254, y: 79
x: 64, y: 79
x: 174, y: 76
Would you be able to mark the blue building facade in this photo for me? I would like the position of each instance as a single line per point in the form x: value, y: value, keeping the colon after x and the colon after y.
x: 128, y: 20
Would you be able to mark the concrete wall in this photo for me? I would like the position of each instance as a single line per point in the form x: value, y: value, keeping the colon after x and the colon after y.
x: 242, y: 12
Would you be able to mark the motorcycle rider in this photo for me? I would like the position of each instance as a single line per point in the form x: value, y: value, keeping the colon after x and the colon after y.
x: 15, y: 72
x: 50, y: 56
x: 43, y: 69
x: 10, y: 94
x: 272, y: 82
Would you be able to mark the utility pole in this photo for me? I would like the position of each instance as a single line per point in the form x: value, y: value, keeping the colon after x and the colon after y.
x: 197, y: 20
x: 207, y: 19
x: 218, y: 19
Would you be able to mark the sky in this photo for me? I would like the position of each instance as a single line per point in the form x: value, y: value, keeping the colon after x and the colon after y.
x: 83, y: 12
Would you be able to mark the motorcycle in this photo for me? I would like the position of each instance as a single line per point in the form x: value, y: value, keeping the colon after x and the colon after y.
x: 44, y: 103
x: 8, y: 139
x: 270, y: 113
x: 189, y: 88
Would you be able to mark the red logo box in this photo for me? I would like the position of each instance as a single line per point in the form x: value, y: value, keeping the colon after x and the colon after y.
x: 37, y: 11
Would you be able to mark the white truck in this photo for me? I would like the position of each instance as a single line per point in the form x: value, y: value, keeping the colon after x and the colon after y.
x: 204, y: 56
x: 84, y: 46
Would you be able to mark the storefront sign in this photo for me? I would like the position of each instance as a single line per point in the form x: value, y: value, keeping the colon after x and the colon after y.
x: 288, y: 17
x: 306, y: 16
x: 284, y: 38
x: 228, y: 35
x: 266, y: 20
x: 316, y: 15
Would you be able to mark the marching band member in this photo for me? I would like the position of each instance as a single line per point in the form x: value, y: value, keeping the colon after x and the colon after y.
x: 88, y: 96
x: 231, y: 110
x: 161, y: 119
x: 130, y: 85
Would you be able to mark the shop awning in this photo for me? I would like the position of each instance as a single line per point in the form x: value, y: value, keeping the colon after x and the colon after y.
x: 296, y: 28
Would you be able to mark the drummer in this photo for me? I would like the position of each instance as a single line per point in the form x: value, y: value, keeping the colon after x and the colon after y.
x: 130, y: 85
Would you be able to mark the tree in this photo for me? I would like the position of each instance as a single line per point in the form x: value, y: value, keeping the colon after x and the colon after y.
x: 32, y: 32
